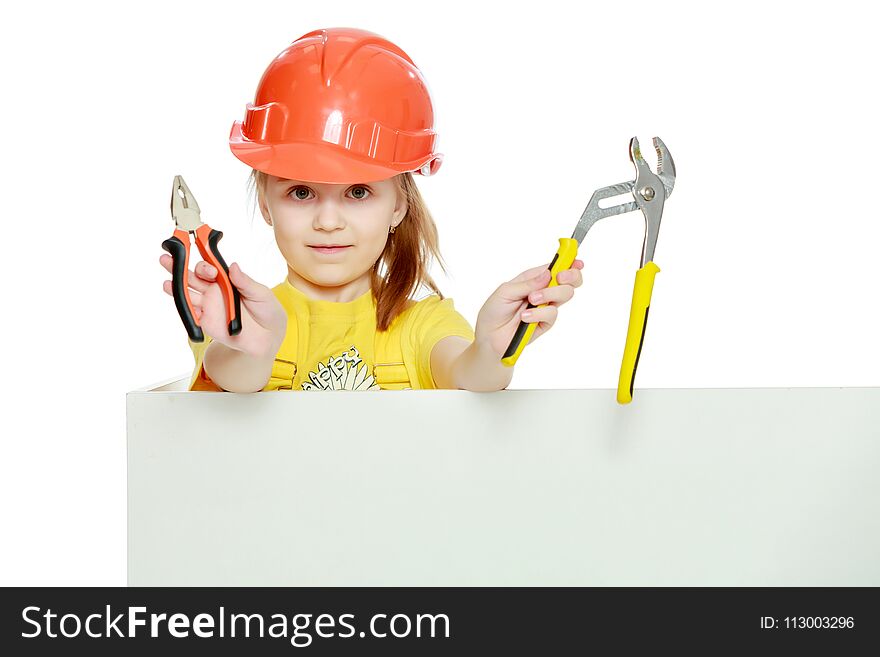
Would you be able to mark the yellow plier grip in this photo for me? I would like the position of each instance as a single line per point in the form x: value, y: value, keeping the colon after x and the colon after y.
x: 566, y: 254
x: 635, y: 333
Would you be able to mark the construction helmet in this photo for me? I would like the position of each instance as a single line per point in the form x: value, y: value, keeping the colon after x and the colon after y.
x: 339, y: 105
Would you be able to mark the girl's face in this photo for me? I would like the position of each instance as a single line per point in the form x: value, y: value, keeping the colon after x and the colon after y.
x: 331, y: 235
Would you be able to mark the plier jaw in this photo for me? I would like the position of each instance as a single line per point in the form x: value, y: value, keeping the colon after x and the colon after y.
x: 187, y: 220
x: 184, y: 207
x: 650, y: 190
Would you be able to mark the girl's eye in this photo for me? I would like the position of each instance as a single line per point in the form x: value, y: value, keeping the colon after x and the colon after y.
x: 359, y: 193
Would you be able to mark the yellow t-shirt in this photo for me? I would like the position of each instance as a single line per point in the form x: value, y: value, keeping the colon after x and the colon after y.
x: 335, y: 346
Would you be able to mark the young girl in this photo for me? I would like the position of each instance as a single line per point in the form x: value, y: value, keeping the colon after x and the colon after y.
x: 341, y: 121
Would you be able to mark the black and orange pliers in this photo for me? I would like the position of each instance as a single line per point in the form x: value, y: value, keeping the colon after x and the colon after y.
x: 187, y: 220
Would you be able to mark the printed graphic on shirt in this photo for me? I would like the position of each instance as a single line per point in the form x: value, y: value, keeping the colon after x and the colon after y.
x: 342, y: 373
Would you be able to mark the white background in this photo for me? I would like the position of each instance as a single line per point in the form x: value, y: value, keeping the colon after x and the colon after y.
x: 768, y: 248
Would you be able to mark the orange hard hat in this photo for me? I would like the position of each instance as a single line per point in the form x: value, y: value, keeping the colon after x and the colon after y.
x: 339, y: 105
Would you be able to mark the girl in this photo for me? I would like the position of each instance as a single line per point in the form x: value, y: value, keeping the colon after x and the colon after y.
x: 341, y: 121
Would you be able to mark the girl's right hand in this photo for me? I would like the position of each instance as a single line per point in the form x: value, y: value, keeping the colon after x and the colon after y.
x: 263, y: 318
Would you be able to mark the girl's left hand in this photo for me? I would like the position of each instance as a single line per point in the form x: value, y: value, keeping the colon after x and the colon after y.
x: 500, y: 315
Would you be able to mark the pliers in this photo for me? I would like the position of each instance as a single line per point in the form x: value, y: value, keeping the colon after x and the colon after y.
x: 649, y: 191
x: 187, y: 219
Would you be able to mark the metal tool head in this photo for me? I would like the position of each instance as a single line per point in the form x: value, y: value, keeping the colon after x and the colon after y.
x: 660, y: 185
x: 651, y: 190
x: 665, y: 164
x: 184, y: 208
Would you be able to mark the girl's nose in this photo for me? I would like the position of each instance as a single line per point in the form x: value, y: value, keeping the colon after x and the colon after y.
x: 329, y: 217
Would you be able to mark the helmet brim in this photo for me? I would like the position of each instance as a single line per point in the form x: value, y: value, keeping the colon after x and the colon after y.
x: 320, y: 162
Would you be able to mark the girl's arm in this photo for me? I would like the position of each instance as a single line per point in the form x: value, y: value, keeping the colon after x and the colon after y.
x: 459, y: 364
x: 237, y: 371
x: 456, y: 363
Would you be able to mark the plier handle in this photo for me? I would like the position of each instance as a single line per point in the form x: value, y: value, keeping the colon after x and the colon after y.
x: 649, y: 192
x: 187, y: 221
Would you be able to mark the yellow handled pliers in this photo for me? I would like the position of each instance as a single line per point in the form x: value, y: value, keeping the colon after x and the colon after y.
x: 649, y: 191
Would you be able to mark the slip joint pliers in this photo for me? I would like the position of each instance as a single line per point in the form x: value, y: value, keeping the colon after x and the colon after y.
x: 649, y: 191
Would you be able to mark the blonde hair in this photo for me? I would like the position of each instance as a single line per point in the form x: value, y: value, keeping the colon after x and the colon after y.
x: 405, y: 262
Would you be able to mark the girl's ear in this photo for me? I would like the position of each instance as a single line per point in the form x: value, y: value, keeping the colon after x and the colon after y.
x: 264, y: 210
x: 399, y: 209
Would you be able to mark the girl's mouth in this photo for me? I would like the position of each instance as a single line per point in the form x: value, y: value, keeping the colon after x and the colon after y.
x: 328, y: 249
